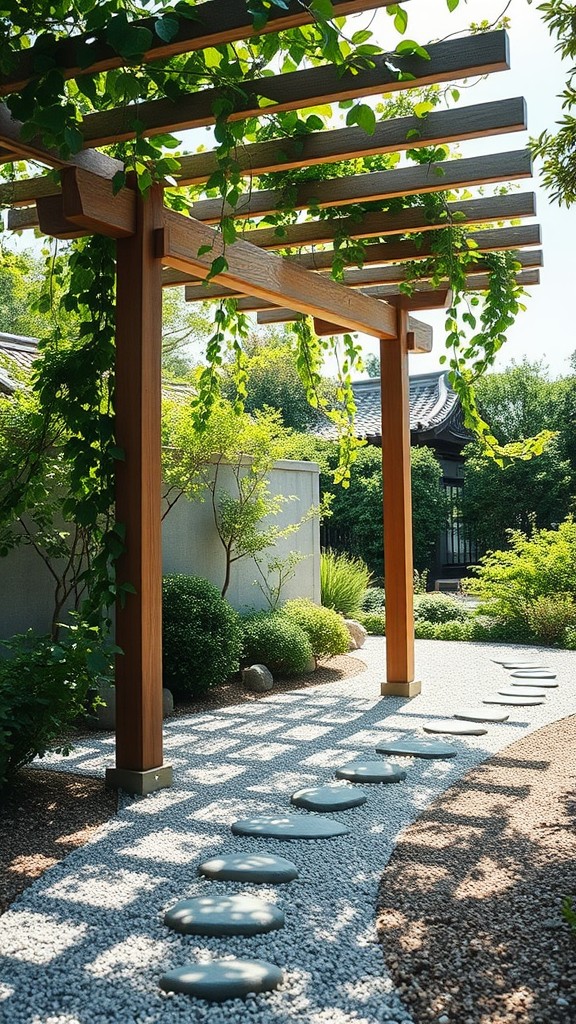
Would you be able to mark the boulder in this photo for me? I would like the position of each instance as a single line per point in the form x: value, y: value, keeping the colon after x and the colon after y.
x: 104, y: 717
x: 357, y: 633
x: 257, y: 678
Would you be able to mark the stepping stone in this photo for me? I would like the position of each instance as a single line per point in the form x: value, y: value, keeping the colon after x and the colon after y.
x: 533, y: 681
x: 451, y: 728
x: 289, y: 826
x: 522, y: 665
x: 370, y: 771
x: 481, y: 715
x: 328, y: 798
x: 223, y: 979
x: 533, y: 673
x: 515, y: 701
x: 520, y: 691
x: 224, y: 915
x: 417, y: 748
x: 249, y: 867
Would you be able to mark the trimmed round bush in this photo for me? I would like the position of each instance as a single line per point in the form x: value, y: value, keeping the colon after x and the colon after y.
x: 374, y: 622
x: 374, y: 599
x: 438, y: 608
x: 201, y: 636
x: 277, y: 641
x: 324, y: 628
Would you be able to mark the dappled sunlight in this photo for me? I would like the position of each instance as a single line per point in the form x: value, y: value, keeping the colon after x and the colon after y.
x: 5, y: 991
x: 258, y: 728
x: 307, y: 732
x: 224, y: 812
x: 220, y: 745
x: 486, y: 879
x: 262, y: 751
x: 283, y: 782
x: 99, y: 886
x: 38, y: 938
x: 170, y: 846
x: 161, y: 801
x: 35, y: 864
x: 211, y: 773
x: 217, y: 724
x: 136, y: 953
x: 332, y: 757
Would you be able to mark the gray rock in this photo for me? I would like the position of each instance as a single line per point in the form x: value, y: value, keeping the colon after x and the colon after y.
x: 520, y: 691
x: 224, y: 915
x: 546, y: 683
x: 370, y: 771
x: 516, y: 702
x: 455, y: 728
x: 223, y: 979
x: 357, y: 634
x: 258, y: 678
x: 167, y: 703
x: 481, y: 715
x: 104, y: 716
x: 533, y: 673
x: 522, y: 665
x: 310, y: 666
x: 426, y: 749
x: 258, y: 868
x: 328, y: 798
x: 289, y: 826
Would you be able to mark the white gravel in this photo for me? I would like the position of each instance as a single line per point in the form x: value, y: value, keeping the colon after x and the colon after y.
x: 86, y: 945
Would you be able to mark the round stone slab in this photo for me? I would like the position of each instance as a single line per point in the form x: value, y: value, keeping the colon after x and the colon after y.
x: 533, y: 673
x: 223, y: 979
x: 289, y: 826
x: 481, y: 715
x: 328, y: 798
x: 224, y: 915
x: 370, y: 771
x: 249, y: 867
x: 427, y: 749
x: 533, y: 682
x: 522, y: 665
x: 515, y: 701
x: 452, y: 728
x: 520, y: 691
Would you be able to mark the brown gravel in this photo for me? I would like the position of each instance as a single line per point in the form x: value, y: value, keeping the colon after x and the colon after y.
x: 43, y: 818
x: 469, y: 905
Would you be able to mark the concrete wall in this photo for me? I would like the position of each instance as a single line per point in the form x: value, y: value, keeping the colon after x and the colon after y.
x: 191, y: 546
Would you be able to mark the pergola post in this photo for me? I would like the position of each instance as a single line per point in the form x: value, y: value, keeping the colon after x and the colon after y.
x: 398, y: 559
x: 139, y: 761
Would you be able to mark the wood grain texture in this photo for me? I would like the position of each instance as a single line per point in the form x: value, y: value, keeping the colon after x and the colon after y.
x: 392, y: 136
x: 34, y: 149
x: 269, y: 276
x: 26, y: 191
x: 138, y: 492
x: 450, y: 60
x: 90, y: 202
x: 358, y: 188
x: 397, y: 488
x: 51, y: 219
x: 217, y: 22
x: 420, y: 334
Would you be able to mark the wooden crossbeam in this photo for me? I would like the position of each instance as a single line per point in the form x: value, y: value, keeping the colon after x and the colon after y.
x: 392, y: 136
x: 449, y: 60
x: 211, y: 24
x: 34, y: 149
x: 514, y: 206
x: 269, y: 276
x: 385, y: 276
x: 420, y: 337
x: 87, y: 205
x: 376, y: 185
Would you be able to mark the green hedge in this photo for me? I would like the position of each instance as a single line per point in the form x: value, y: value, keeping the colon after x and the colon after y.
x: 277, y: 641
x: 324, y: 628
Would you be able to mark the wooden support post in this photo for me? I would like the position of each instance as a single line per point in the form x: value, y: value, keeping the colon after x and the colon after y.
x: 139, y: 765
x: 398, y: 564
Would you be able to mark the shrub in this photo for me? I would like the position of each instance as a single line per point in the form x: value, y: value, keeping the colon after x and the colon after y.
x: 201, y: 636
x: 343, y: 581
x: 373, y: 600
x: 374, y: 622
x: 43, y: 688
x: 570, y: 638
x: 324, y: 628
x: 438, y: 608
x: 277, y: 641
x: 454, y: 629
x: 548, y: 617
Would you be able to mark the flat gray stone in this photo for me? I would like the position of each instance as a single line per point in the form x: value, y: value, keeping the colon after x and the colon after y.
x: 455, y: 728
x: 223, y: 979
x: 289, y: 826
x: 328, y: 798
x: 515, y: 701
x: 520, y: 691
x: 224, y: 915
x: 481, y: 715
x: 427, y: 749
x: 370, y: 771
x: 522, y: 664
x: 258, y: 678
x: 258, y: 868
x: 533, y: 673
x: 533, y: 682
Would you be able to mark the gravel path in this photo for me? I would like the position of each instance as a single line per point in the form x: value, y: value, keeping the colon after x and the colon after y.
x: 86, y: 945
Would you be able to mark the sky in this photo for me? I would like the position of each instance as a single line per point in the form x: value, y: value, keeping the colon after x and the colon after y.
x: 546, y: 331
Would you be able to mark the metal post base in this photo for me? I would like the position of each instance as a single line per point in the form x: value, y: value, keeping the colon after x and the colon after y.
x: 401, y: 689
x: 139, y: 783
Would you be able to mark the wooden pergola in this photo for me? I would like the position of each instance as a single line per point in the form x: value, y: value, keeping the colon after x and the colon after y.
x: 158, y: 248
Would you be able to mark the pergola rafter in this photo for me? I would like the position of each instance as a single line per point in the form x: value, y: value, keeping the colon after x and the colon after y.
x: 157, y: 247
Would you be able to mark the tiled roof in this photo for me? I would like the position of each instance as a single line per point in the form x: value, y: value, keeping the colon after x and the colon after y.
x: 22, y: 351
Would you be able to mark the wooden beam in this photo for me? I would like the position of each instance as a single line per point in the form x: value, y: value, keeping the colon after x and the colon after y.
x: 397, y: 489
x: 213, y: 24
x: 375, y: 185
x: 448, y: 61
x: 23, y: 218
x: 139, y: 762
x: 380, y: 276
x: 51, y: 219
x: 514, y: 206
x: 391, y: 136
x: 269, y: 276
x: 25, y: 191
x: 90, y: 202
x: 419, y: 338
x: 34, y: 149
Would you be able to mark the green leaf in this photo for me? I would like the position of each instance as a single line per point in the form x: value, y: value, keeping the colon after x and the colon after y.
x: 166, y: 28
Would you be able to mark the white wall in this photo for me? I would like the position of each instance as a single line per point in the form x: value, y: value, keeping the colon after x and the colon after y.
x: 190, y: 545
